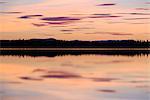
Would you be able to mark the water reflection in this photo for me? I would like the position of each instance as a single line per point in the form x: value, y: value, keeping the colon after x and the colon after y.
x: 71, y: 77
x: 54, y: 53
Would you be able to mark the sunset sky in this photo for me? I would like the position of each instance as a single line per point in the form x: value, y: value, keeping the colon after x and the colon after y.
x: 75, y: 19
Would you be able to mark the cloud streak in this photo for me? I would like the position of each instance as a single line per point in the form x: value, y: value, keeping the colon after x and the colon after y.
x: 142, y: 9
x: 60, y: 19
x: 137, y: 18
x: 30, y: 16
x: 136, y: 13
x: 11, y: 12
x: 107, y: 4
x: 67, y: 30
x: 104, y: 79
x: 38, y: 25
x: 147, y: 2
x: 111, y: 33
x: 60, y: 74
x: 2, y: 2
x: 107, y: 91
x: 103, y: 16
x: 58, y: 23
x: 30, y: 78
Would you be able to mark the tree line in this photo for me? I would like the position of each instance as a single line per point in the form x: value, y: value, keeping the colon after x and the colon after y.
x: 53, y: 43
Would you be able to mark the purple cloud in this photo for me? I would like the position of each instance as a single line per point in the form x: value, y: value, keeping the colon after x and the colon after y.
x: 107, y: 91
x: 30, y: 16
x: 57, y: 23
x: 60, y: 74
x: 67, y: 30
x: 60, y: 19
x: 106, y: 4
x: 121, y: 34
x: 30, y: 78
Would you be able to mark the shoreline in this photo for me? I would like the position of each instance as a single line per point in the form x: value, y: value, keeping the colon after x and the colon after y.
x: 74, y: 49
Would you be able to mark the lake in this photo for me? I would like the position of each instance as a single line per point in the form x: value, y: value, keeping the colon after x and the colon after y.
x: 74, y: 77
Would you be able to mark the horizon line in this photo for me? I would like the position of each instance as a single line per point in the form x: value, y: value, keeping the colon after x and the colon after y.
x: 76, y: 39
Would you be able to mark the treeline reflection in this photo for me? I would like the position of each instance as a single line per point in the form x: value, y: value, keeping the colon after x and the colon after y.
x: 54, y: 53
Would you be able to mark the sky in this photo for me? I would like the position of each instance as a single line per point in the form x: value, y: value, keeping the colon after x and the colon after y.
x: 75, y: 19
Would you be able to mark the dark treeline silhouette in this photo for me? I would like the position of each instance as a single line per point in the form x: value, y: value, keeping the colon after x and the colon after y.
x: 53, y: 43
x: 54, y: 53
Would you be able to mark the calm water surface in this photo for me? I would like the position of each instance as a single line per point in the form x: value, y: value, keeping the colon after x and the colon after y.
x: 84, y: 77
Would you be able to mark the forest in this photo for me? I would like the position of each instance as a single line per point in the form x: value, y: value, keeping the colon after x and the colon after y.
x: 53, y: 43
